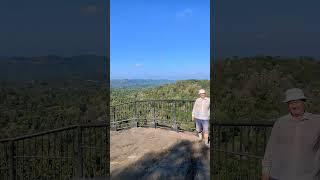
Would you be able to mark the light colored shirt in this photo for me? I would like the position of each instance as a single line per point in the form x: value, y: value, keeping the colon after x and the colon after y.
x: 201, y: 109
x: 292, y: 152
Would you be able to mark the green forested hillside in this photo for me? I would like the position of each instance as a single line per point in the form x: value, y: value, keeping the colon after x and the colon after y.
x: 187, y: 90
x: 244, y: 89
x: 166, y: 112
x: 52, y: 67
x: 28, y: 108
x: 253, y: 88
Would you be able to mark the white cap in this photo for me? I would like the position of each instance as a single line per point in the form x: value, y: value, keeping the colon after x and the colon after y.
x: 202, y: 91
x: 294, y: 94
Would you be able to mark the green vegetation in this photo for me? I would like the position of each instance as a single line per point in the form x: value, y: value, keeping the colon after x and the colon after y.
x: 27, y: 108
x: 165, y: 112
x: 244, y: 89
x: 52, y: 68
x: 46, y: 93
x: 186, y: 90
x: 251, y: 89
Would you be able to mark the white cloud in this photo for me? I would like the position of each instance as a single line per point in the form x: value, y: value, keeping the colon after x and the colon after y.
x: 185, y: 13
x: 138, y: 65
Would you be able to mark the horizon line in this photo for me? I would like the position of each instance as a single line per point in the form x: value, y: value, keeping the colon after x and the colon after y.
x: 159, y: 79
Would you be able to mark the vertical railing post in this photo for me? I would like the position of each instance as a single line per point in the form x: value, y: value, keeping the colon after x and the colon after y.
x: 12, y: 170
x: 175, y: 127
x: 134, y: 119
x: 79, y: 154
x: 213, y: 164
x: 135, y: 111
x: 154, y: 114
x: 107, y: 153
x: 219, y: 145
x: 113, y: 123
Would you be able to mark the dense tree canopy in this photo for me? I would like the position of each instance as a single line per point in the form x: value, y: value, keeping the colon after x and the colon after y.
x: 246, y: 89
x: 27, y: 108
x: 243, y: 89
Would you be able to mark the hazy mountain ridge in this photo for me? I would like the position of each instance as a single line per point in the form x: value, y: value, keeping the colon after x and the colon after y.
x: 138, y: 83
x: 181, y: 89
x: 52, y: 67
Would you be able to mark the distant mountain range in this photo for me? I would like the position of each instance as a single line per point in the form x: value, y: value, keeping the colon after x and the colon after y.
x: 138, y: 83
x: 43, y: 68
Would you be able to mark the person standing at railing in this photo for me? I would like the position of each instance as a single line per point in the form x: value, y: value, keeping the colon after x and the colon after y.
x: 292, y: 152
x: 201, y: 115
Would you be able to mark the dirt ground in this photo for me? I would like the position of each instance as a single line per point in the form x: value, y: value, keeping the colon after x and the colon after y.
x: 148, y: 153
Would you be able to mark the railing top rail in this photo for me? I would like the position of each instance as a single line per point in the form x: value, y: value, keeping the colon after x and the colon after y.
x: 238, y: 153
x: 5, y: 140
x: 155, y: 100
x: 248, y: 123
x: 52, y: 131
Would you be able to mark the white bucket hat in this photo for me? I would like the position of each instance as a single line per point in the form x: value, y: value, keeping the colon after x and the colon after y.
x: 294, y: 94
x: 202, y: 91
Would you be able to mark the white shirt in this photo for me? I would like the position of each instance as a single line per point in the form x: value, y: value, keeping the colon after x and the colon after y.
x: 201, y: 109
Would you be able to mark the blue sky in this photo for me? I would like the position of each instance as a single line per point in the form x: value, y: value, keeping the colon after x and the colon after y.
x: 59, y: 27
x: 160, y: 39
x: 273, y: 27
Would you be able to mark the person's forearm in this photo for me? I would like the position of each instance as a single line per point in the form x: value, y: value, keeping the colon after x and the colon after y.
x: 193, y: 111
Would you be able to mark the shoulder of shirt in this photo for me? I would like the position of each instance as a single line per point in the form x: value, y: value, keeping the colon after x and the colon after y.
x: 199, y: 99
x: 283, y: 119
x: 313, y: 116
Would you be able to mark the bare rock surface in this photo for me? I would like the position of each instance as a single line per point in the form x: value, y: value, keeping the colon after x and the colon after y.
x: 148, y: 153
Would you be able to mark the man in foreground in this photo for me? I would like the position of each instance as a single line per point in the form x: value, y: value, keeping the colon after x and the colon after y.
x: 292, y: 152
x: 201, y: 114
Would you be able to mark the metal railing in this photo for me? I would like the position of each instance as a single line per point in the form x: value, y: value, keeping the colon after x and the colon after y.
x: 75, y: 151
x: 238, y: 149
x: 174, y: 114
